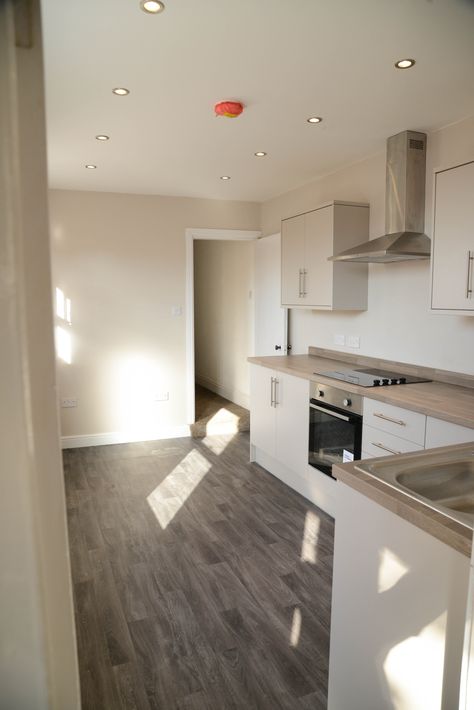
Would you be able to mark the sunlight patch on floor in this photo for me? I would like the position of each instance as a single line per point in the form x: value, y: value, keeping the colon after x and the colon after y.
x: 223, y: 422
x: 295, y: 627
x: 310, y: 538
x: 217, y: 444
x: 172, y: 493
x: 414, y: 668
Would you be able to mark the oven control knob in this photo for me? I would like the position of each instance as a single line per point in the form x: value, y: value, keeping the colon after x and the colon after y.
x: 320, y: 393
x: 347, y: 402
x: 376, y: 383
x: 402, y: 380
x: 385, y: 381
x: 394, y: 381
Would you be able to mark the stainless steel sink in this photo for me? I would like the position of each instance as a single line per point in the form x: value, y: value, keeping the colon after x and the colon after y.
x: 442, y: 479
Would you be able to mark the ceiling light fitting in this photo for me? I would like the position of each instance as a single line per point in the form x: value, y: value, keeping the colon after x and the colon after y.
x: 225, y: 177
x: 152, y: 7
x: 91, y: 167
x: 404, y: 63
x: 102, y: 137
x: 120, y: 91
x: 314, y: 119
x: 260, y: 153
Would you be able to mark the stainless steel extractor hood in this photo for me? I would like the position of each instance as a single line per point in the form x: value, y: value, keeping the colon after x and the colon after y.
x: 404, y: 206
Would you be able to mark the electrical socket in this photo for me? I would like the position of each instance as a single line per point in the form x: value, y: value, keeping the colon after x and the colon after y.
x: 339, y: 339
x: 161, y: 397
x: 353, y: 341
x: 69, y: 402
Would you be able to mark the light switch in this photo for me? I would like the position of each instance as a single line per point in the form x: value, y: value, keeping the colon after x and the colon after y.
x: 176, y: 311
x: 353, y: 341
x: 339, y: 339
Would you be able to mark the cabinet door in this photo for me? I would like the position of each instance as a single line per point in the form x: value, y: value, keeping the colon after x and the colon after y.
x: 440, y: 433
x: 319, y: 227
x: 453, y: 240
x: 292, y: 261
x: 262, y: 414
x: 292, y: 417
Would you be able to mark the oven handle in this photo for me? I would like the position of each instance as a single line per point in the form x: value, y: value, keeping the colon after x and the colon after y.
x: 329, y: 412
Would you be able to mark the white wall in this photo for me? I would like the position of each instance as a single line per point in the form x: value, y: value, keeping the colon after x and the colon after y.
x: 38, y: 665
x: 397, y: 324
x: 224, y: 316
x: 121, y: 260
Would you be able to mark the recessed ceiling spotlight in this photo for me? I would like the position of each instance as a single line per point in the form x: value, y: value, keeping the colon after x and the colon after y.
x: 120, y: 91
x: 314, y: 119
x: 102, y: 137
x: 225, y: 177
x: 260, y: 153
x: 404, y: 63
x: 91, y: 167
x: 153, y: 7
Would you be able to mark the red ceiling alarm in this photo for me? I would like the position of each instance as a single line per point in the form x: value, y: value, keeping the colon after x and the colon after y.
x: 229, y: 109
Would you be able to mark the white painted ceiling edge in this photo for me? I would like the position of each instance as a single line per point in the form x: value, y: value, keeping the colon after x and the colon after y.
x: 284, y: 61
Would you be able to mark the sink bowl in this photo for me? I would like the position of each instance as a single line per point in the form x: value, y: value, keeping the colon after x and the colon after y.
x: 442, y: 479
x: 449, y: 483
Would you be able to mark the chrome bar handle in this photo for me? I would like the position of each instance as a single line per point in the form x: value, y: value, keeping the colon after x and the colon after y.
x: 470, y: 259
x: 272, y: 398
x: 275, y: 400
x: 305, y: 293
x: 400, y: 422
x: 385, y: 448
x: 300, y: 289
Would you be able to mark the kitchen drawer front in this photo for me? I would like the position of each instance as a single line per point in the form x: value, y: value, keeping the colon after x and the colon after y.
x: 380, y: 443
x: 395, y: 420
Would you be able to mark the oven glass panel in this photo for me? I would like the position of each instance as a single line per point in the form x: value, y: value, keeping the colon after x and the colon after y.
x: 333, y: 440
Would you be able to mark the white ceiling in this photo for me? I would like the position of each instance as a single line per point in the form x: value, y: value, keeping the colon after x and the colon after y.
x: 284, y: 59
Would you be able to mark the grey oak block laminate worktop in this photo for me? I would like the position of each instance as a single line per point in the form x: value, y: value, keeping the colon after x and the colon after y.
x: 449, y: 402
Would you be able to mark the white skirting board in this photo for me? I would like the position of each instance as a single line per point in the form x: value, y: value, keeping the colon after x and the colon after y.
x: 313, y: 485
x: 233, y: 395
x: 118, y: 437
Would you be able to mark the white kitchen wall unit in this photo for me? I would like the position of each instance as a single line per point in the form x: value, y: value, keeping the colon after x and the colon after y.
x: 309, y: 280
x: 391, y: 430
x: 398, y: 606
x: 440, y: 433
x: 452, y: 259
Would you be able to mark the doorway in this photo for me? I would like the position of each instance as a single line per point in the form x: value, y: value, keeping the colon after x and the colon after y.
x: 219, y: 296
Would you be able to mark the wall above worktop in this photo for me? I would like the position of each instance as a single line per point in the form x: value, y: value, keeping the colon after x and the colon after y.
x: 398, y: 324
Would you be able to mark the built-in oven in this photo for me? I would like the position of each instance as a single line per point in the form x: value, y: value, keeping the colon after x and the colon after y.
x: 335, y: 427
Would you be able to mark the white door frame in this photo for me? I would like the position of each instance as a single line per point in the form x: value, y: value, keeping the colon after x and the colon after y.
x: 191, y: 235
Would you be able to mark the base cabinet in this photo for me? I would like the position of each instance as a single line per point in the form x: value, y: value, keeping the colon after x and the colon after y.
x: 398, y: 608
x: 440, y: 433
x: 279, y: 416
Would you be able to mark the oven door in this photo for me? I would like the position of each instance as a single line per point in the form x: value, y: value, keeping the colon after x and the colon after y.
x: 335, y: 436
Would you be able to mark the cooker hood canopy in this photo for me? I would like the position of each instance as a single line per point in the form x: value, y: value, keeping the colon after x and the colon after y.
x: 404, y: 206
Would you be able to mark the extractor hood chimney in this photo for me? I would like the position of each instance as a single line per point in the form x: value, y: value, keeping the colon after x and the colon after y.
x: 404, y: 236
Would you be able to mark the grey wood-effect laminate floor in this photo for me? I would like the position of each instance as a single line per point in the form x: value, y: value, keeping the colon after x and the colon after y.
x: 200, y: 580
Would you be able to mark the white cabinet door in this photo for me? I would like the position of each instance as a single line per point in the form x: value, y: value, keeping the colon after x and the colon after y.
x: 319, y: 230
x: 262, y: 413
x: 292, y: 416
x: 292, y: 260
x: 453, y: 240
x: 439, y: 433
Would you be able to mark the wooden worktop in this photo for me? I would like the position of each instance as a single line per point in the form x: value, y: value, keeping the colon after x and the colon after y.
x: 441, y: 399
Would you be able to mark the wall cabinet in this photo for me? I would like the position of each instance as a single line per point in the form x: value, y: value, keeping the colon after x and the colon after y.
x: 452, y: 259
x: 279, y: 416
x: 309, y: 280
